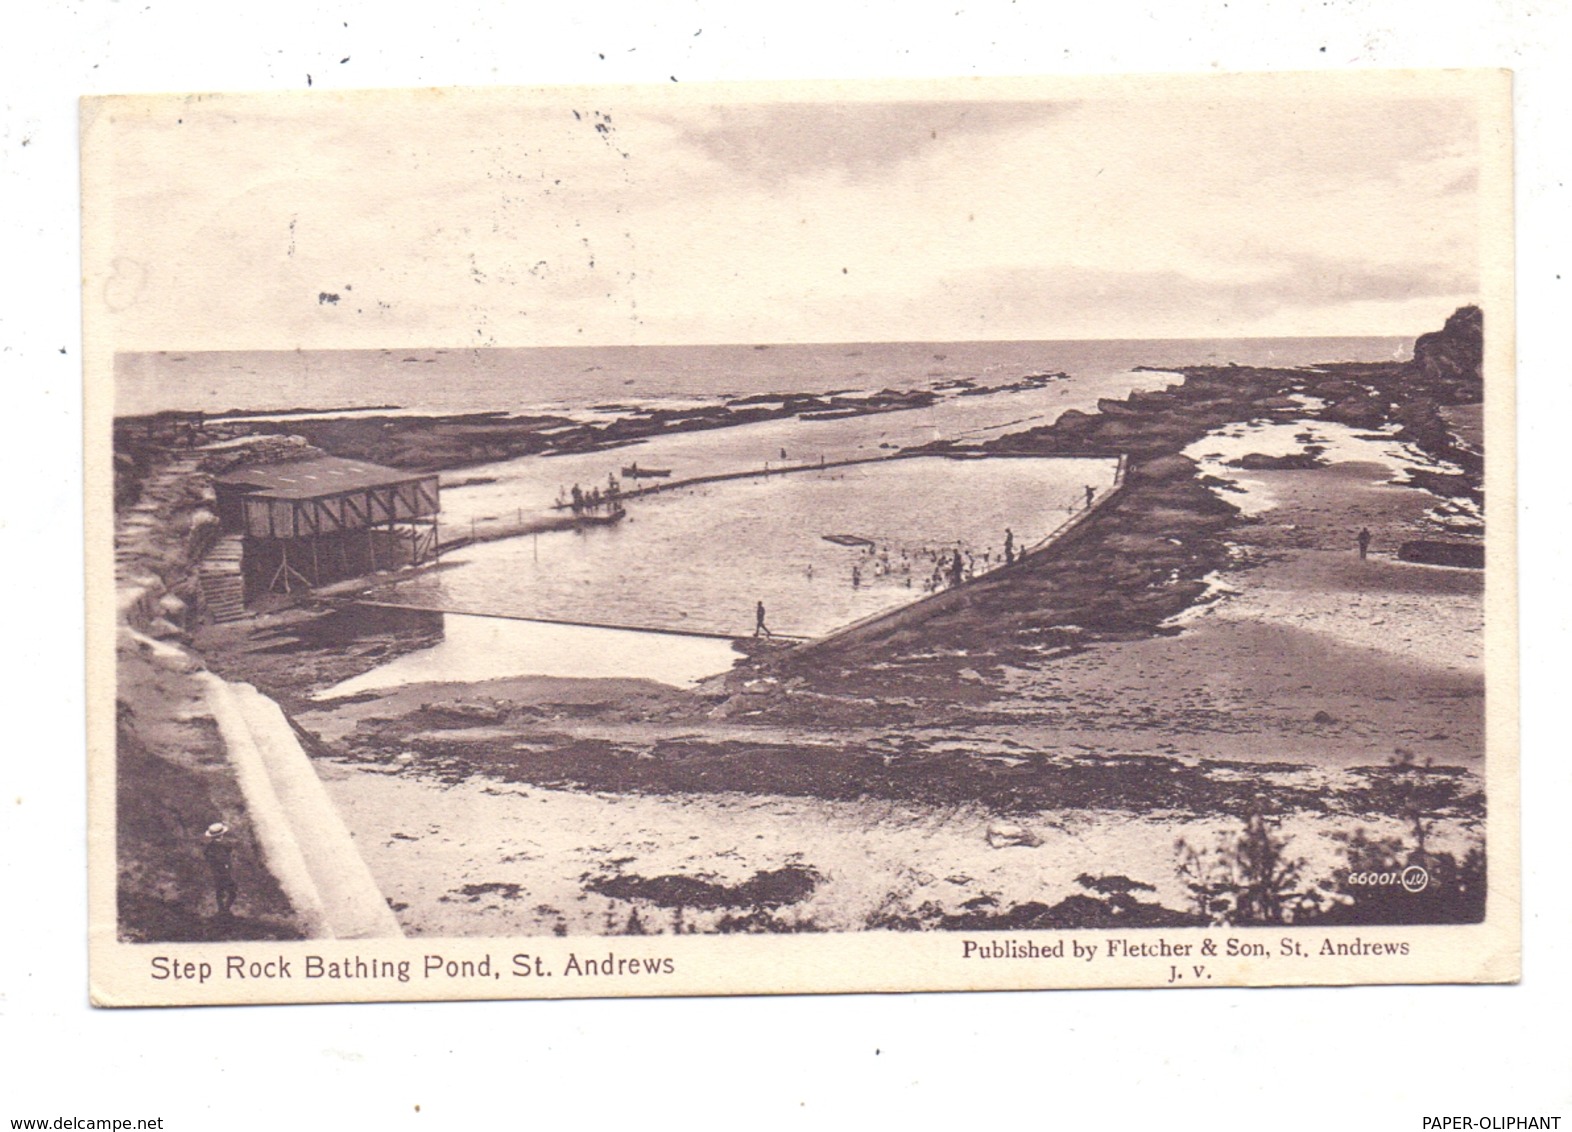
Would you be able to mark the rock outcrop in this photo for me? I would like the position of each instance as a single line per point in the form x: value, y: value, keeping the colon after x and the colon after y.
x: 1449, y: 360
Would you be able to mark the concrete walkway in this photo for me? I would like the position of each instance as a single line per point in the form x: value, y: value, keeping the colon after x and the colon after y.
x: 307, y: 846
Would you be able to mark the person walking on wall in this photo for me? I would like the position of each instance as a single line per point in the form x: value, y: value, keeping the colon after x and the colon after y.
x: 1364, y: 542
x: 758, y: 621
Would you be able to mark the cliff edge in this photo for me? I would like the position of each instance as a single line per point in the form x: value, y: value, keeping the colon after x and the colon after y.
x: 1449, y: 360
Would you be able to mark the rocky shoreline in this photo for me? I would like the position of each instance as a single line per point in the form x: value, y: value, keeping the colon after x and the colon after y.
x: 427, y: 443
x: 1146, y: 558
x: 1004, y: 705
x: 453, y: 442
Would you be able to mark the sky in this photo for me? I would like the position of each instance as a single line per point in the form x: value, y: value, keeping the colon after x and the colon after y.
x: 1209, y: 207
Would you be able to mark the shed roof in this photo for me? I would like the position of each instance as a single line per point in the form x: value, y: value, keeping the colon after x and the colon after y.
x: 309, y: 479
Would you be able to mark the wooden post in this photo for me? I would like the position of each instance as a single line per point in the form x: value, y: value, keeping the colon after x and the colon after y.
x: 279, y: 573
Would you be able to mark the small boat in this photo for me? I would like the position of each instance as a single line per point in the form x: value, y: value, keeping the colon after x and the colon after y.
x: 634, y: 472
x: 848, y: 540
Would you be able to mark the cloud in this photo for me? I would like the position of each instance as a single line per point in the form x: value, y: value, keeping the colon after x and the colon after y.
x: 486, y: 216
x: 1465, y: 184
x: 1298, y: 297
x: 773, y: 144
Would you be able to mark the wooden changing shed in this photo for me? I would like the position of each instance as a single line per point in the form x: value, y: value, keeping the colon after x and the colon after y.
x: 320, y: 520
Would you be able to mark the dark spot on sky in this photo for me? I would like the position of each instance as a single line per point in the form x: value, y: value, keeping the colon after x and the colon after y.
x: 27, y: 141
x: 326, y: 297
x: 308, y: 80
x: 577, y: 117
x: 62, y: 349
x: 673, y: 78
x: 344, y: 60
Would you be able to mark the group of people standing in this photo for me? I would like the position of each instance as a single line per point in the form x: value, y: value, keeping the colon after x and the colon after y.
x: 946, y: 567
x: 592, y: 499
x: 938, y: 567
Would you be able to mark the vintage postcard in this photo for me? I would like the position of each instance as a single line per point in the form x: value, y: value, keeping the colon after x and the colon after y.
x: 801, y: 538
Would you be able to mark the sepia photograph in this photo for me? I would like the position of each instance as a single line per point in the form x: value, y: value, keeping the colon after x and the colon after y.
x: 832, y: 536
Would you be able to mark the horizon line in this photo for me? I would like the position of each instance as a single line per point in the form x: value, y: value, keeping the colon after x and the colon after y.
x: 756, y: 345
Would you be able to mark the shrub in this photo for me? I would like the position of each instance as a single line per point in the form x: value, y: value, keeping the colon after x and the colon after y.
x: 1247, y: 878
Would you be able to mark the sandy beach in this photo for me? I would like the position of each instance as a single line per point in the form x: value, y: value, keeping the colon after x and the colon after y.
x: 1078, y: 740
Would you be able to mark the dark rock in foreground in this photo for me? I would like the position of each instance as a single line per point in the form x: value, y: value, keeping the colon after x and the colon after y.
x: 1259, y: 462
x: 1470, y: 555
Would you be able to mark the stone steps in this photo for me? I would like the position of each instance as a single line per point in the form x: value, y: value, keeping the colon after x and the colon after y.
x: 223, y: 585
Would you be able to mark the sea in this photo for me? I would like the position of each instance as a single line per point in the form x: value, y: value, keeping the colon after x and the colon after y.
x: 567, y: 379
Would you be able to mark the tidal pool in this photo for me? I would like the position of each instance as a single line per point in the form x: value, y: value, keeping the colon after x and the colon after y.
x: 475, y: 649
x: 699, y: 559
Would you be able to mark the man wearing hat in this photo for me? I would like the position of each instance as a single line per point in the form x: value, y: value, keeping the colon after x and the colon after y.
x: 220, y: 857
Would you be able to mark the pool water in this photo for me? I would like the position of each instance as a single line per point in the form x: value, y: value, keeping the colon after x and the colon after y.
x: 699, y: 559
x: 476, y: 649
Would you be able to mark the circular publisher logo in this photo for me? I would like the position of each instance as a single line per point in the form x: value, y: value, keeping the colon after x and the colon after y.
x: 1415, y: 878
